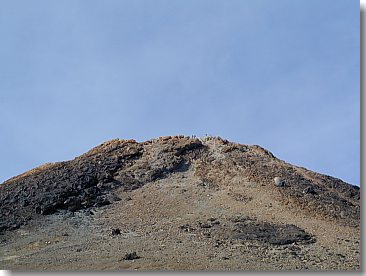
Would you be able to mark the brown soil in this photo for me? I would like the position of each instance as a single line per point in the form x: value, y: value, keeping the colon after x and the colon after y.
x: 178, y: 203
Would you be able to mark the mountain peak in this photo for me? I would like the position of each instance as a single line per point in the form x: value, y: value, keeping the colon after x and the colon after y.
x: 193, y: 184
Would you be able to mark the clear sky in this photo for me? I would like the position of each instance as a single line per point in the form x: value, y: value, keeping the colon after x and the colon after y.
x: 282, y: 74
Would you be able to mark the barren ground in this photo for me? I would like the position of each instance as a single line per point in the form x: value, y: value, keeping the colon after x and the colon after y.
x: 206, y: 213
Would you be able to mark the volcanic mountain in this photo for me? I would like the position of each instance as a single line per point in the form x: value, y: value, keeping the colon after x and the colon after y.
x: 178, y: 203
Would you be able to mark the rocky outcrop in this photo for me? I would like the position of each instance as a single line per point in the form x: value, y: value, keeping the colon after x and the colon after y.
x: 91, y: 179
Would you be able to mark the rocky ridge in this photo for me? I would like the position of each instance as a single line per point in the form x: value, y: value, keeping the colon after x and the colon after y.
x: 89, y: 180
x: 102, y: 176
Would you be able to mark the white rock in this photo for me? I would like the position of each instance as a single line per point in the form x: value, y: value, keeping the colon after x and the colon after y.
x: 279, y: 182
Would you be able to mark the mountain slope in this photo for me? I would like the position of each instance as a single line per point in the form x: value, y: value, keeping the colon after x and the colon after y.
x: 179, y: 203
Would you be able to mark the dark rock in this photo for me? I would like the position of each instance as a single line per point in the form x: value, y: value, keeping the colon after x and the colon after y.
x: 187, y: 228
x: 217, y: 243
x: 271, y: 233
x: 48, y: 209
x: 74, y: 205
x: 101, y: 201
x: 115, y: 231
x: 309, y: 190
x: 15, y: 226
x: 131, y: 256
x: 215, y: 222
x: 205, y: 225
x: 24, y: 203
x: 37, y: 209
x: 209, y: 224
x: 207, y: 183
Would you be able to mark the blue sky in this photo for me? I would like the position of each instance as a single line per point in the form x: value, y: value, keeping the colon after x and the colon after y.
x: 281, y: 74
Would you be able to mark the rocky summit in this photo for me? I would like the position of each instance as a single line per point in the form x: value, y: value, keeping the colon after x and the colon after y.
x: 178, y: 203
